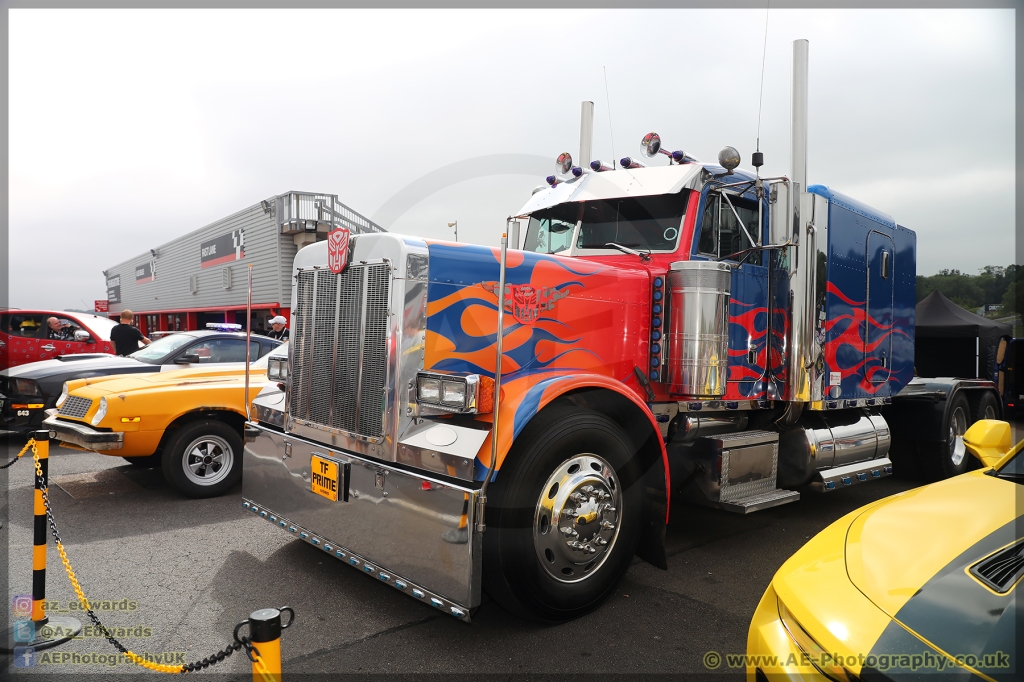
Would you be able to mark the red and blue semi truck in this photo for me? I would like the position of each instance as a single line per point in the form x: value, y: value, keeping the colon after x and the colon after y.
x: 682, y: 332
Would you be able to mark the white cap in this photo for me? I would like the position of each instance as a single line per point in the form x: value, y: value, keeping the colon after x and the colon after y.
x: 278, y: 320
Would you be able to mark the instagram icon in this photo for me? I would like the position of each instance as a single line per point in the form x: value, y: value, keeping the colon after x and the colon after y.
x: 21, y: 605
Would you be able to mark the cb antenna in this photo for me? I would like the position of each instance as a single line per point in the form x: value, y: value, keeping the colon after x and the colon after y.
x: 758, y: 159
x: 608, y: 102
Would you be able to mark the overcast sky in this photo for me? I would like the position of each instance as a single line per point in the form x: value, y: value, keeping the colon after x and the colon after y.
x: 129, y: 128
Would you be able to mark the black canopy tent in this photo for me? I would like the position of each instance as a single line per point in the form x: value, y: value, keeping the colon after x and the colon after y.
x: 953, y: 342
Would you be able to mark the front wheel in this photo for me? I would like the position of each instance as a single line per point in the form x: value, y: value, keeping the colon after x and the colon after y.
x: 204, y: 459
x: 563, y: 518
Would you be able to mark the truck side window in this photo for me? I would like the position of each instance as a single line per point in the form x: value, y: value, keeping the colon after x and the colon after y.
x: 721, y: 234
x: 550, y: 230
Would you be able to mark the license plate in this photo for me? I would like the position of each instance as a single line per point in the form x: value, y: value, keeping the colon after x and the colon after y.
x: 324, y: 480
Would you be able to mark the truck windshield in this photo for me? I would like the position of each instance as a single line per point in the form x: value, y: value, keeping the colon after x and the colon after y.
x: 646, y: 223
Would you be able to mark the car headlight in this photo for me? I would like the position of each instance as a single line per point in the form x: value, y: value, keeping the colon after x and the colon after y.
x: 25, y: 387
x: 63, y: 394
x: 277, y: 369
x: 819, y: 658
x: 101, y: 412
x: 470, y: 394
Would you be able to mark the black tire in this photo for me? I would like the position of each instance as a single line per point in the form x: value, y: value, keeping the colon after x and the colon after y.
x: 216, y: 442
x: 949, y: 457
x: 149, y: 462
x: 516, y: 544
x: 984, y: 405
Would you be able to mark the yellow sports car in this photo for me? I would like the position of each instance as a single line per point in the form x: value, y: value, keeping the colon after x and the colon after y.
x: 189, y: 422
x: 921, y: 585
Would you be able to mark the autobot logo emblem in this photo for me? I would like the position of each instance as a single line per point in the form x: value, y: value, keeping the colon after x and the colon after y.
x: 337, y: 249
x: 526, y: 302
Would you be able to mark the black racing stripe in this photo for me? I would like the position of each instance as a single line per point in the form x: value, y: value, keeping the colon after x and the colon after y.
x: 958, y: 615
x: 899, y: 656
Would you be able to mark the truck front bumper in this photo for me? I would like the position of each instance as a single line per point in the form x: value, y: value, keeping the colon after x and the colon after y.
x: 84, y: 436
x: 405, y: 528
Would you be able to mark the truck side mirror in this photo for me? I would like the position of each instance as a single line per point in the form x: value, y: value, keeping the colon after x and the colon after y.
x: 989, y: 440
x: 83, y: 336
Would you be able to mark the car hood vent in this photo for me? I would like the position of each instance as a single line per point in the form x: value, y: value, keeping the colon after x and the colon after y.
x: 81, y: 356
x: 1001, y: 571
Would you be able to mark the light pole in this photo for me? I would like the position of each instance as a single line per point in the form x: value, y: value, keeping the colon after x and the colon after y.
x: 455, y: 224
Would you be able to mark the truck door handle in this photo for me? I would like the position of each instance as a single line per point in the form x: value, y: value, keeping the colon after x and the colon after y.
x: 48, y: 347
x: 752, y: 355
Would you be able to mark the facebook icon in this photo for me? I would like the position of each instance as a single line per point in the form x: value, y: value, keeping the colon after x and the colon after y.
x: 24, y: 656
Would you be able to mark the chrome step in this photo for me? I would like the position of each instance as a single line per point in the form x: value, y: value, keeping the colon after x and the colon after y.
x: 851, y: 474
x: 763, y: 501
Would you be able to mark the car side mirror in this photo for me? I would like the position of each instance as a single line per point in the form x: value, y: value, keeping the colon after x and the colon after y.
x: 83, y: 336
x: 187, y: 359
x: 989, y: 440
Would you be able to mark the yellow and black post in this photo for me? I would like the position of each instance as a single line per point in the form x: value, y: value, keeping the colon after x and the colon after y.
x: 265, y: 636
x: 41, y: 631
x: 39, y: 531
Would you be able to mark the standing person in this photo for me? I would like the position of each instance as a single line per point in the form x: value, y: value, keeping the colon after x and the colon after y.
x: 279, y: 330
x: 125, y: 336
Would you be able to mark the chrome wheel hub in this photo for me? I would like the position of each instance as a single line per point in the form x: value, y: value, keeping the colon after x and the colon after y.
x: 207, y: 460
x: 577, y: 517
x: 957, y: 427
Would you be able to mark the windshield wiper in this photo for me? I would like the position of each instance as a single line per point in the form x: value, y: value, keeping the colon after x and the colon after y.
x: 625, y: 249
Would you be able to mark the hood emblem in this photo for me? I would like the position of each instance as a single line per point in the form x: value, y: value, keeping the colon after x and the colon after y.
x: 526, y: 302
x: 337, y: 249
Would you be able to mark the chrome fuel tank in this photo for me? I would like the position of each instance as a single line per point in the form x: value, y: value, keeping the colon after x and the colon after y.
x: 698, y: 328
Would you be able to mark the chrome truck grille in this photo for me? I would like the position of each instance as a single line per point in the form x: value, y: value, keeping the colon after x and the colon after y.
x: 339, y: 349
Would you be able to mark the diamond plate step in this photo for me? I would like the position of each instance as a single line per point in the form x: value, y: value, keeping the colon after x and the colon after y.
x: 755, y: 503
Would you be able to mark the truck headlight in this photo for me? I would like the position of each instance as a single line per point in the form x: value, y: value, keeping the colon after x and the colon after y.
x: 101, y: 412
x: 277, y: 369
x: 453, y: 393
x: 469, y: 393
x: 63, y: 394
x: 429, y: 390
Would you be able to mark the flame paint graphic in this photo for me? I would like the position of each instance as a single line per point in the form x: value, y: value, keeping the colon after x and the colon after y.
x: 845, y: 336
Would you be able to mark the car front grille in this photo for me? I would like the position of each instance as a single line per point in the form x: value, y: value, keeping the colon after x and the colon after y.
x: 339, y: 348
x: 75, y: 406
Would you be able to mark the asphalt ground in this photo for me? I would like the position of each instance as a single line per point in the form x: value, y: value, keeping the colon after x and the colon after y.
x: 180, y: 573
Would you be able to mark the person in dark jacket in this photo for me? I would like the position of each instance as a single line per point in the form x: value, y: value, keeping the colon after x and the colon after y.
x: 279, y: 328
x: 125, y: 336
x: 59, y: 332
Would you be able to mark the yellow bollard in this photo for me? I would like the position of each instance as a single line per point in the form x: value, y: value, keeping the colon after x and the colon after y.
x: 39, y: 532
x: 265, y: 635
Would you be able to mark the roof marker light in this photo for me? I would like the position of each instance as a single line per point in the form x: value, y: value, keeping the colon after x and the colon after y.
x: 627, y: 162
x: 577, y: 171
x: 552, y: 180
x: 598, y: 166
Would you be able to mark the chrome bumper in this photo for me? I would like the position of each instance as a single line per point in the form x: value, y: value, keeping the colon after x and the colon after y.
x: 84, y: 436
x: 401, y: 527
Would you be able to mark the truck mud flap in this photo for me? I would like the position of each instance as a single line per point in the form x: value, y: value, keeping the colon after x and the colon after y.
x: 411, y: 531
